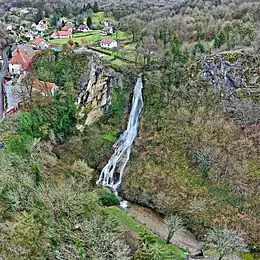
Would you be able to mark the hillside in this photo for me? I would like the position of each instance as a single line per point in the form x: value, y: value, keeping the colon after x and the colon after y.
x: 193, y: 144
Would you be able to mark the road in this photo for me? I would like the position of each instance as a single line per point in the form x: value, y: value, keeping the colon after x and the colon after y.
x: 2, y: 76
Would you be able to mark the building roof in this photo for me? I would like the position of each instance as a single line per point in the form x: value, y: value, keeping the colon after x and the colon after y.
x: 24, y: 47
x: 66, y: 28
x: 37, y: 41
x: 22, y: 59
x: 83, y: 26
x: 62, y: 33
x: 107, y: 40
x: 108, y: 28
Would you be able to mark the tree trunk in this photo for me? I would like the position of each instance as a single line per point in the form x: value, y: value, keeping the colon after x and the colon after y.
x: 169, y: 237
x: 221, y: 257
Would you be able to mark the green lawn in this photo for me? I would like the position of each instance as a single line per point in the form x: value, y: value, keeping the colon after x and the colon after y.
x: 89, y: 38
x: 100, y: 17
x: 128, y: 222
x: 82, y: 34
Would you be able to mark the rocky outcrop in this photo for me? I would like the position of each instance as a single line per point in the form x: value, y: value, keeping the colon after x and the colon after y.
x: 94, y: 95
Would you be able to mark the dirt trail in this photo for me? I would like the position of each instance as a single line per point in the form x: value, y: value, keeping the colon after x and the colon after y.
x: 154, y: 221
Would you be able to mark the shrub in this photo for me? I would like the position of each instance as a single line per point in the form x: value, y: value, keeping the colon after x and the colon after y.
x: 57, y: 114
x: 110, y: 199
x: 202, y: 159
x: 19, y: 144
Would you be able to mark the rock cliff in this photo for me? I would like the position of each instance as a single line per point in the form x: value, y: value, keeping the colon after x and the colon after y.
x: 94, y: 91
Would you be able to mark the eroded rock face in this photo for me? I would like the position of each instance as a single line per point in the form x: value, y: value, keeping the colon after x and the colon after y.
x: 94, y: 95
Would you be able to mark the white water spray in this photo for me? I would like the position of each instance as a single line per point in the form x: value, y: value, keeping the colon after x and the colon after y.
x: 112, y: 173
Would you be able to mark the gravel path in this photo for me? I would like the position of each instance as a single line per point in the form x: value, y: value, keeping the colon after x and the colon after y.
x: 155, y: 223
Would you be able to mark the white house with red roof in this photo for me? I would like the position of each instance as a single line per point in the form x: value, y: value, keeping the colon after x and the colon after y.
x: 61, y: 35
x: 67, y: 28
x: 20, y: 62
x: 40, y: 44
x: 83, y: 28
x: 108, y: 43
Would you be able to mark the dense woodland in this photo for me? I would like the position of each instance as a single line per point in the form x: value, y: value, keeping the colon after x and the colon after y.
x: 196, y: 156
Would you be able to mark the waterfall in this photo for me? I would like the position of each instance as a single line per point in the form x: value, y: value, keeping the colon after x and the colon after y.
x: 112, y: 173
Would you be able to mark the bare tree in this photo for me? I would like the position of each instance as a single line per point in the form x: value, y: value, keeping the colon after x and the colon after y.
x: 175, y: 225
x: 225, y: 241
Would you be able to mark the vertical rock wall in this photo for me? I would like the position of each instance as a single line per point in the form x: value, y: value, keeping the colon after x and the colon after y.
x: 94, y: 94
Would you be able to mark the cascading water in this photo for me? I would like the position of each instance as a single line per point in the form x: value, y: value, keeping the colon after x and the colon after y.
x: 112, y: 173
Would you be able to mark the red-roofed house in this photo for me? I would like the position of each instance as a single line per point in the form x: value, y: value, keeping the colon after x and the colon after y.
x: 61, y: 35
x: 83, y: 28
x: 40, y: 43
x: 67, y: 28
x: 108, y: 43
x: 20, y: 62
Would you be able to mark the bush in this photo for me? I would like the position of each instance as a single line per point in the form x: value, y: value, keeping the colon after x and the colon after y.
x: 110, y: 199
x: 202, y: 159
x: 19, y: 144
x: 57, y: 114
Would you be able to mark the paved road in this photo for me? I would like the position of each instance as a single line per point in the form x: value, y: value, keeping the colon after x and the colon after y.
x: 2, y: 76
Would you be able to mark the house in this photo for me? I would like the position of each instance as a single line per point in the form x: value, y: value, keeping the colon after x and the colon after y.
x: 107, y: 23
x: 108, y: 30
x: 44, y: 87
x: 83, y: 28
x: 20, y: 62
x: 40, y: 44
x: 108, y: 43
x: 21, y: 28
x: 42, y: 26
x: 27, y: 48
x: 27, y: 35
x: 94, y: 26
x: 9, y: 27
x: 61, y: 35
x: 67, y: 28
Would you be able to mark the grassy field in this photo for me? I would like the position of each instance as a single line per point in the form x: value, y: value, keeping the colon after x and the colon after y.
x: 100, y: 17
x: 90, y: 37
x: 129, y: 223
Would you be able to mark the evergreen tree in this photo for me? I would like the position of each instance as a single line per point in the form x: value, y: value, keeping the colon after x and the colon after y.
x: 95, y: 7
x: 89, y: 21
x: 46, y: 13
x: 39, y: 16
x: 89, y: 6
x: 9, y: 54
x: 63, y: 23
x: 54, y: 19
x: 220, y: 39
x: 176, y: 47
x: 199, y: 47
x: 64, y: 11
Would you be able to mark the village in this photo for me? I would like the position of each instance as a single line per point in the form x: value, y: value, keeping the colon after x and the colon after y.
x: 97, y: 34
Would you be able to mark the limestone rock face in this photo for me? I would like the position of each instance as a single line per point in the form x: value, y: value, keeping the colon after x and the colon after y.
x: 94, y: 94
